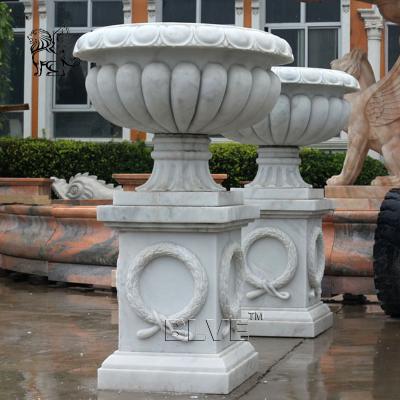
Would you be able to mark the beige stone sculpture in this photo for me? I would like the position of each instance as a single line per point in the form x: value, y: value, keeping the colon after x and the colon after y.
x: 390, y: 9
x: 374, y: 122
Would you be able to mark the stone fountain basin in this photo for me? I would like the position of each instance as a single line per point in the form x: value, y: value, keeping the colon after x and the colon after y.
x: 310, y: 108
x: 64, y: 242
x: 182, y: 78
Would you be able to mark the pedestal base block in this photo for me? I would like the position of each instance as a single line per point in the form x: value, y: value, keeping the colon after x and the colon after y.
x: 178, y: 279
x: 285, y: 261
x: 185, y: 373
x: 291, y: 322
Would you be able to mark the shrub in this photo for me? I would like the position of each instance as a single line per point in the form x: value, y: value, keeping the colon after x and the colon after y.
x: 317, y: 167
x: 239, y: 162
x: 64, y: 158
x: 236, y: 160
x: 6, y: 39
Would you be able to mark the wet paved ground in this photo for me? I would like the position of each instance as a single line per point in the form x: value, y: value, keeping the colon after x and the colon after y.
x: 52, y: 340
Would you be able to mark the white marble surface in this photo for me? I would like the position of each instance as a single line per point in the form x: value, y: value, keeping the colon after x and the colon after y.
x: 310, y: 109
x: 137, y: 37
x: 176, y: 214
x: 176, y: 199
x: 291, y: 207
x: 278, y: 167
x: 291, y: 322
x: 284, y: 251
x: 180, y: 165
x: 83, y: 186
x: 286, y: 194
x: 278, y: 193
x: 167, y: 274
x: 284, y: 264
x: 182, y: 78
x: 179, y: 263
x: 317, y: 77
x: 184, y: 372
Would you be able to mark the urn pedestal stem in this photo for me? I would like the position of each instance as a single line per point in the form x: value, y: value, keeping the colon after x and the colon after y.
x: 180, y: 165
x: 278, y: 167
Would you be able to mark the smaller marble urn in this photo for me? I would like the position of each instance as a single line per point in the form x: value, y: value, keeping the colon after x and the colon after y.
x: 284, y: 248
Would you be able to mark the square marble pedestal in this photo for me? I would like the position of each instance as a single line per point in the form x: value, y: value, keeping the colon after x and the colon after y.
x: 177, y: 279
x: 285, y: 262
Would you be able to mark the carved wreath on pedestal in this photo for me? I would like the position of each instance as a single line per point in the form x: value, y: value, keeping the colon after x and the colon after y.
x: 171, y: 323
x: 232, y: 256
x: 263, y: 285
x: 316, y: 262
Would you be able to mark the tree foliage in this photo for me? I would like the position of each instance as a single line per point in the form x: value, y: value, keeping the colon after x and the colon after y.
x: 6, y: 38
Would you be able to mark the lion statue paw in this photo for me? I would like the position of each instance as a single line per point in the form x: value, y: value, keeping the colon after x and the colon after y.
x: 386, y: 181
x: 336, y: 180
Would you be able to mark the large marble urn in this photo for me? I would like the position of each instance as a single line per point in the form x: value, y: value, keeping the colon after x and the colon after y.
x: 180, y: 259
x: 283, y: 249
x: 182, y: 82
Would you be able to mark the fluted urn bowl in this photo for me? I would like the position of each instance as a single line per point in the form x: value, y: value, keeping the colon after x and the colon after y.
x: 182, y: 82
x: 310, y: 109
x: 182, y: 78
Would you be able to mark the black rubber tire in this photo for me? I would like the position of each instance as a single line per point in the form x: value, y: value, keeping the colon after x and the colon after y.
x: 387, y: 254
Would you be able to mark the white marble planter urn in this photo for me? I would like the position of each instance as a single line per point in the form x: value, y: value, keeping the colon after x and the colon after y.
x: 283, y: 249
x: 180, y: 265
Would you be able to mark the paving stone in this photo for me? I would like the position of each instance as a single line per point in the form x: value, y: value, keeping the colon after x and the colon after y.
x: 52, y: 340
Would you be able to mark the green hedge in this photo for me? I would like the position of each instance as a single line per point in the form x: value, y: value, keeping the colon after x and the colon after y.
x: 45, y: 158
x: 317, y: 167
x: 64, y: 158
x: 238, y: 161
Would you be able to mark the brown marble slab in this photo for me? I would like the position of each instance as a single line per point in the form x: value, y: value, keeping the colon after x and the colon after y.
x: 24, y: 199
x: 27, y: 186
x: 70, y: 235
x: 349, y: 237
x: 130, y: 182
x: 64, y: 240
x: 357, y: 192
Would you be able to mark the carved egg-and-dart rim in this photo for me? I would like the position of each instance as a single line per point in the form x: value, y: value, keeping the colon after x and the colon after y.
x: 188, y: 36
x: 315, y: 77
